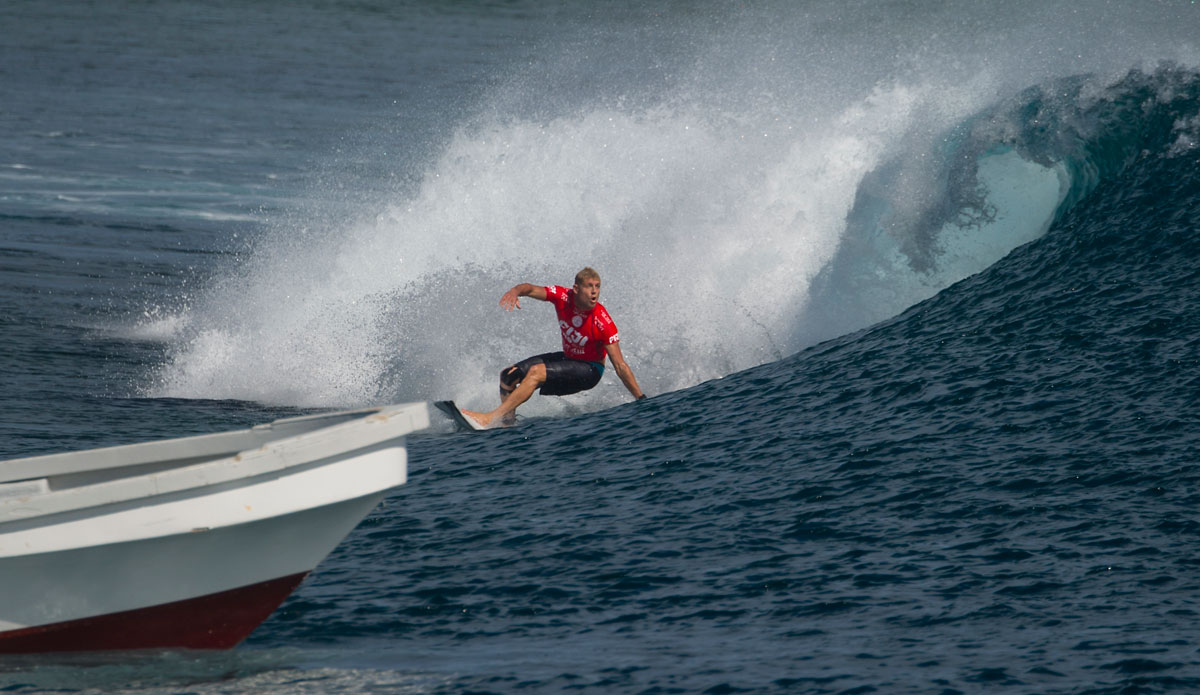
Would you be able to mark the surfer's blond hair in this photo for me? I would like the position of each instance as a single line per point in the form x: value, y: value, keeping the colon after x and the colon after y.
x: 586, y: 274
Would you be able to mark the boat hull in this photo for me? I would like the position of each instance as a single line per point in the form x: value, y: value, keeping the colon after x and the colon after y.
x: 200, y: 590
x: 185, y: 558
x: 218, y: 621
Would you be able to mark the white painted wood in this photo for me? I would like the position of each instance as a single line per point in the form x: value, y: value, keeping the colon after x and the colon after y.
x: 95, y: 532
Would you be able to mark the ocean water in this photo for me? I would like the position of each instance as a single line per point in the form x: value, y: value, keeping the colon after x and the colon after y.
x: 914, y: 287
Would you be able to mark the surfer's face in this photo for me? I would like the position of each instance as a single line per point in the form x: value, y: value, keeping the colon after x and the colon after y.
x: 587, y: 293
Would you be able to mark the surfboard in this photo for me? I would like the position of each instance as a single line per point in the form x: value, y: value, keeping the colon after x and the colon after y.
x: 462, y: 421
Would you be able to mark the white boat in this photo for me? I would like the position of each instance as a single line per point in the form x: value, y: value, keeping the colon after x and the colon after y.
x: 185, y: 543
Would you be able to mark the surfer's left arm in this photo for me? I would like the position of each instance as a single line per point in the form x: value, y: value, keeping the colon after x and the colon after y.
x: 623, y: 370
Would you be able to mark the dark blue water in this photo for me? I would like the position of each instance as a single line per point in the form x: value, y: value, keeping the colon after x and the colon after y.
x: 915, y: 292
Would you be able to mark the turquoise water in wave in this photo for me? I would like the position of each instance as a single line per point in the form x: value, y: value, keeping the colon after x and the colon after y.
x: 914, y: 289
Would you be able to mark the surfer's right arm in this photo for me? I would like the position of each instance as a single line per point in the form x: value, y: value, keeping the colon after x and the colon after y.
x: 512, y: 298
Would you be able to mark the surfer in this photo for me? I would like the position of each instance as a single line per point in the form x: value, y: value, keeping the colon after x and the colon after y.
x: 588, y: 337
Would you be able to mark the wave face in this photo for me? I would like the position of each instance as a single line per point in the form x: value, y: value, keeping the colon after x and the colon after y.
x: 1093, y: 324
x: 996, y: 487
x: 745, y: 192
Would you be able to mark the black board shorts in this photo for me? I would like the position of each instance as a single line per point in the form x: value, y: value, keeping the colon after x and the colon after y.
x: 564, y: 375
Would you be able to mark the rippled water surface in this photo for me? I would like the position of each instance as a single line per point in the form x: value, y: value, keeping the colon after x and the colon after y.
x: 915, y: 291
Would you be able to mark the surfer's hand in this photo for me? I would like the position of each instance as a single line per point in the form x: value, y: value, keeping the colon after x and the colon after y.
x: 511, y: 300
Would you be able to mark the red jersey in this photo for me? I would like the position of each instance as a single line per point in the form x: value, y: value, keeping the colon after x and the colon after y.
x: 584, y: 335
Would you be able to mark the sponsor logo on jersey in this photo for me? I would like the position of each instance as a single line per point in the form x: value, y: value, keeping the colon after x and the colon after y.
x: 572, y: 336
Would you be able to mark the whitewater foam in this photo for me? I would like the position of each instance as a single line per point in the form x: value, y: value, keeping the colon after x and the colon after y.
x: 707, y: 231
x: 710, y: 211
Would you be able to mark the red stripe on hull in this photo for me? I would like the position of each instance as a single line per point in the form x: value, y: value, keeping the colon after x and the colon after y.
x: 216, y: 621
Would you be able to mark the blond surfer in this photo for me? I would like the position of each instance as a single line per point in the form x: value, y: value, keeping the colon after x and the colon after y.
x: 589, y: 337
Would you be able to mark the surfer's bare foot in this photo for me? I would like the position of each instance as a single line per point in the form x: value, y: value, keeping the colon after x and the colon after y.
x: 483, y: 419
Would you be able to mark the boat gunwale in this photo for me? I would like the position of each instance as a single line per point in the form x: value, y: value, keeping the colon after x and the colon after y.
x: 211, y: 445
x: 276, y: 455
